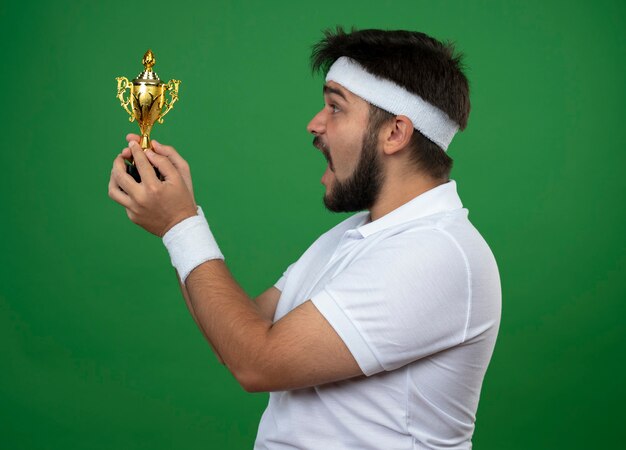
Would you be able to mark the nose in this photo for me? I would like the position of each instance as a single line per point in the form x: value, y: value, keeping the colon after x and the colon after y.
x: 317, y: 125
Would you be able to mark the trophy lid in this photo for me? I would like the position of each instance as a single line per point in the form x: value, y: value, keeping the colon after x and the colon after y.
x: 148, y: 76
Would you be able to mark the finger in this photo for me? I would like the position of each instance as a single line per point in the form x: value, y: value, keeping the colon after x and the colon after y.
x: 133, y: 137
x: 126, y: 153
x: 121, y: 178
x: 117, y: 195
x: 146, y: 172
x: 164, y: 165
x: 167, y: 150
x: 171, y: 153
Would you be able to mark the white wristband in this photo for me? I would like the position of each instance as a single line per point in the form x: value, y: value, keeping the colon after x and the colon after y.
x: 190, y: 243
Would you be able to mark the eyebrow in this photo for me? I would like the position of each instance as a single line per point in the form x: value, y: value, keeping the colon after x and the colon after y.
x: 332, y: 90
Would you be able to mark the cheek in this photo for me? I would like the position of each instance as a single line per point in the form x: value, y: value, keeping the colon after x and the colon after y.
x: 344, y: 136
x: 345, y: 154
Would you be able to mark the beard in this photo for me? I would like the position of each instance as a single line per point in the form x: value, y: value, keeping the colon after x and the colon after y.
x: 361, y: 189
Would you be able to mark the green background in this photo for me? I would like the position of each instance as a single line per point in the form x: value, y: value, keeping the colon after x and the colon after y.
x: 97, y: 349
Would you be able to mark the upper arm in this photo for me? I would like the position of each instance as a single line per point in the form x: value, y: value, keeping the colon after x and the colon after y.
x: 267, y: 301
x: 302, y: 349
x: 359, y: 323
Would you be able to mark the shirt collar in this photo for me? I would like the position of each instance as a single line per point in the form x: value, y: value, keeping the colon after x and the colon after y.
x: 439, y: 199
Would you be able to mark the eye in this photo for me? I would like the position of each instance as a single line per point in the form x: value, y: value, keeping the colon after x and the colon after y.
x: 334, y: 108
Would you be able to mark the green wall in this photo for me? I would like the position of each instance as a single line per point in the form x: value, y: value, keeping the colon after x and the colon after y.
x: 97, y: 349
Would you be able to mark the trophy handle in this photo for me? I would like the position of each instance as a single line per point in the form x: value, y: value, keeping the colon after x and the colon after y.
x: 122, y: 85
x: 172, y: 89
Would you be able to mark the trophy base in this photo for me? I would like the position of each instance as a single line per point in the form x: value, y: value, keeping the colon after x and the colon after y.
x: 131, y: 169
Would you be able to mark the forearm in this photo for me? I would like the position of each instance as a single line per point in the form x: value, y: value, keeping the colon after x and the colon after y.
x: 230, y: 321
x: 183, y: 290
x: 300, y: 349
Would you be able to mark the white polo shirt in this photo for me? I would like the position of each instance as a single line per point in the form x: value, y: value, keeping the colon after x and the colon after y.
x: 415, y: 296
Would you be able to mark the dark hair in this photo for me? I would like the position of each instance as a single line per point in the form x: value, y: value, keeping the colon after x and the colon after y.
x: 415, y: 61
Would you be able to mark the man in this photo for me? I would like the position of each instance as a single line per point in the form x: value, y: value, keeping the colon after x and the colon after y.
x: 379, y: 336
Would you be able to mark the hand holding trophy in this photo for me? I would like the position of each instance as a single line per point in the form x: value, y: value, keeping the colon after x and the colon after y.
x: 147, y: 103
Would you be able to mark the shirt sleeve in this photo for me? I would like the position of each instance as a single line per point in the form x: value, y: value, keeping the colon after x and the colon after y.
x: 280, y: 284
x: 405, y: 298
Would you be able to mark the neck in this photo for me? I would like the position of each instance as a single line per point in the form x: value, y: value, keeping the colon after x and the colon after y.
x: 396, y: 192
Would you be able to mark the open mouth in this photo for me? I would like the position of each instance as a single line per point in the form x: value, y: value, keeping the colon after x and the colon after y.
x: 317, y: 143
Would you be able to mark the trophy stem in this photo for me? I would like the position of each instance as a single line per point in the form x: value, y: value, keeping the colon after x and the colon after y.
x: 145, y: 141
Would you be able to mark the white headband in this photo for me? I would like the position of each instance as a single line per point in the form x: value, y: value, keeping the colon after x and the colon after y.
x: 428, y: 119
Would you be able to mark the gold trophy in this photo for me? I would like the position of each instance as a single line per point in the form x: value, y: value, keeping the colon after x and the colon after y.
x: 147, y: 103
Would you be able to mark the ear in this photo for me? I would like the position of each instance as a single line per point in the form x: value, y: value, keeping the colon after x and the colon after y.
x: 397, y: 135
